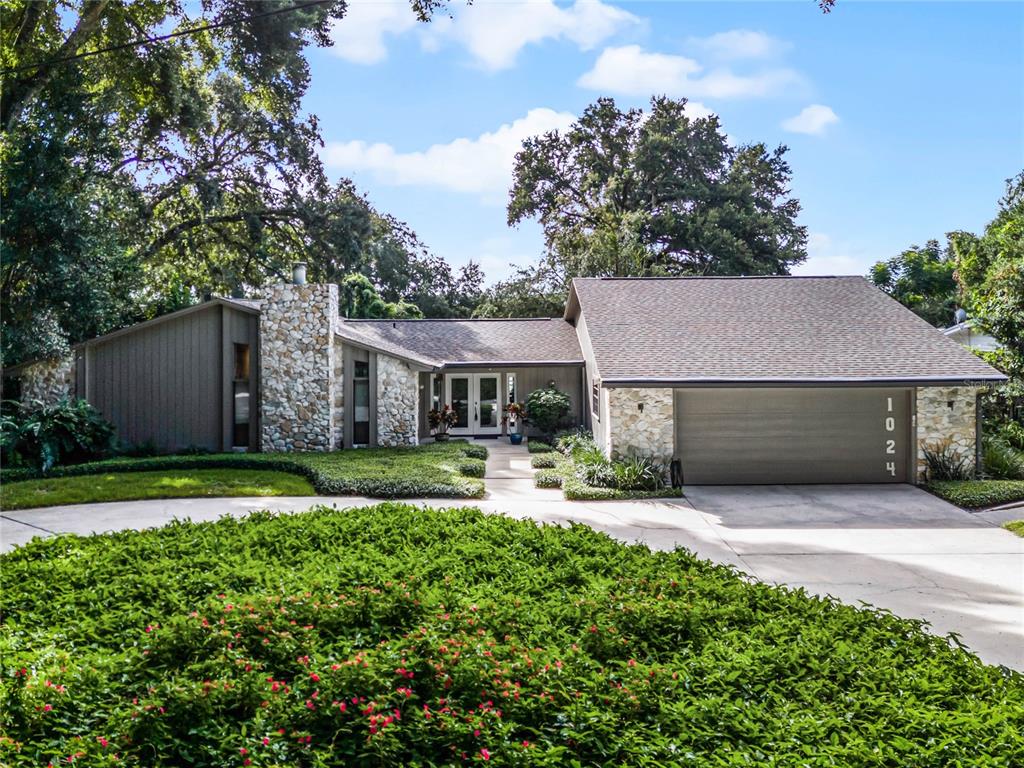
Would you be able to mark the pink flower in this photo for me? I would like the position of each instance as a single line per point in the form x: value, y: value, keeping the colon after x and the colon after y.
x: 314, y: 677
x: 47, y: 707
x: 485, y: 754
x: 266, y: 741
x: 103, y: 742
x: 243, y: 751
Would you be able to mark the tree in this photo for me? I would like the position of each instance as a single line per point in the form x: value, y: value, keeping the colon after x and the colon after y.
x: 530, y: 292
x: 990, y: 271
x: 137, y: 174
x: 628, y: 193
x: 358, y: 298
x: 921, y: 279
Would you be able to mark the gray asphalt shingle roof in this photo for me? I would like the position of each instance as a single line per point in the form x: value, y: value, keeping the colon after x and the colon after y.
x: 763, y: 329
x: 461, y: 342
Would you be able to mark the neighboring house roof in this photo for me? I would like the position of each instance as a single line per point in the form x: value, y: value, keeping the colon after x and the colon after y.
x: 437, y: 343
x: 965, y: 333
x: 769, y: 330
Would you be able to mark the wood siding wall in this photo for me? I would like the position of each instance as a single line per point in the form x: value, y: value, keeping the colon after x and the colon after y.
x: 170, y: 384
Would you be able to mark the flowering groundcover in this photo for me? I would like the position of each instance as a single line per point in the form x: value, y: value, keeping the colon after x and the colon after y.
x: 392, y: 635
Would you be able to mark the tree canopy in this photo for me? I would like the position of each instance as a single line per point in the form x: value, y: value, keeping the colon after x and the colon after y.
x: 627, y: 193
x: 137, y: 177
x: 922, y: 279
x: 990, y: 271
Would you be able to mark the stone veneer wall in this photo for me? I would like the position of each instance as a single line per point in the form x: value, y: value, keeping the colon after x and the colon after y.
x: 297, y: 367
x: 648, y: 433
x: 397, y: 402
x: 49, y: 380
x: 938, y: 422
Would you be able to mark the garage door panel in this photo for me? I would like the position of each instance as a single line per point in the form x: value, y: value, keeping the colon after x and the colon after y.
x: 793, y: 435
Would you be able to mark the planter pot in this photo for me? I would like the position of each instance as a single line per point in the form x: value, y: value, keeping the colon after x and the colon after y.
x: 441, y: 437
x: 515, y: 438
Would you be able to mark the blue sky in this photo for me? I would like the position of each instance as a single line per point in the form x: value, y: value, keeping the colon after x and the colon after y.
x: 903, y: 119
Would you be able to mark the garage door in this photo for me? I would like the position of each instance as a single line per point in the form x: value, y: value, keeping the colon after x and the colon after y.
x: 796, y: 435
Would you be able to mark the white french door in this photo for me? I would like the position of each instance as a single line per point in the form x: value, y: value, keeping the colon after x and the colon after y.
x: 476, y: 400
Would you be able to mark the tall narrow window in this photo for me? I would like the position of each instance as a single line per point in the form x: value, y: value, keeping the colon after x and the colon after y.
x: 437, y: 392
x: 361, y: 397
x: 240, y: 397
x: 595, y: 399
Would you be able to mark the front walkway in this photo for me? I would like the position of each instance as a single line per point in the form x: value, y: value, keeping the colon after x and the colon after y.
x: 896, y: 547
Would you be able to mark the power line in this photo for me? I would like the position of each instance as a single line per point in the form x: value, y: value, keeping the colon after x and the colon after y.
x: 162, y: 38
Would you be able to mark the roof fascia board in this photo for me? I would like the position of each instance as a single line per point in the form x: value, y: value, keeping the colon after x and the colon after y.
x: 514, y: 364
x: 426, y: 365
x: 909, y: 381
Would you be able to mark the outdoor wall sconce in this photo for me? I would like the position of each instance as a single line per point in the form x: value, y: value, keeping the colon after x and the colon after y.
x: 640, y: 407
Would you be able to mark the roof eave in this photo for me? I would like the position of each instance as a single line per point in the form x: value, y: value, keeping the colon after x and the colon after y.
x: 864, y: 381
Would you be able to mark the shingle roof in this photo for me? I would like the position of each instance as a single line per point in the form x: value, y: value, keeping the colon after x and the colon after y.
x: 772, y: 329
x: 465, y: 342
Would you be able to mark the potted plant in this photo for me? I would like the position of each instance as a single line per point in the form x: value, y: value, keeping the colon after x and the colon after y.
x: 441, y: 420
x: 515, y: 414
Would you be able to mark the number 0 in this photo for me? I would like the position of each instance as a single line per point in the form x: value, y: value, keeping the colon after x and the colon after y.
x: 890, y: 424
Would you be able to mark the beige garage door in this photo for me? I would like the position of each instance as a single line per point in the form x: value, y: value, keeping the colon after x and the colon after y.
x: 793, y: 435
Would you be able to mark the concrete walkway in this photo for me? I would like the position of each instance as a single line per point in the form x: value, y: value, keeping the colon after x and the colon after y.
x: 893, y: 546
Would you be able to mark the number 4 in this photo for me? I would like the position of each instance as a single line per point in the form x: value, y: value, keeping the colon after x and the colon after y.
x: 891, y: 466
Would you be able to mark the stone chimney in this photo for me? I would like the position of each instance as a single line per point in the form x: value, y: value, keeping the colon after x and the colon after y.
x: 297, y: 367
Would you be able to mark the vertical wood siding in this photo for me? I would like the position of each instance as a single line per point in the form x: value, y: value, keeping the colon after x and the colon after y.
x: 169, y: 384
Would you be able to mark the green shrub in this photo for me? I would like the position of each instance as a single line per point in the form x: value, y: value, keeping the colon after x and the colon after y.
x: 945, y: 461
x: 1015, y: 527
x: 538, y: 446
x: 1013, y: 433
x: 44, y: 435
x: 1001, y: 461
x: 543, y: 461
x: 472, y: 450
x: 547, y: 409
x: 637, y: 473
x: 571, y: 442
x: 576, y: 489
x: 596, y: 470
x: 424, y: 471
x: 394, y: 635
x: 472, y: 468
x: 975, y: 494
x: 548, y: 478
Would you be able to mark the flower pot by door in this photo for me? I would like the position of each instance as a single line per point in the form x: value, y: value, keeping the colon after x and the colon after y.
x: 516, y: 438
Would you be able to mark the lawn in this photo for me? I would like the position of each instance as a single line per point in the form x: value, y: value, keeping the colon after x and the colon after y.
x: 445, y: 470
x: 393, y: 635
x: 129, y: 486
x: 1015, y: 526
x: 977, y: 494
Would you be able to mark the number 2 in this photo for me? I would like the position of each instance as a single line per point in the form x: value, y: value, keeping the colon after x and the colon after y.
x: 890, y: 446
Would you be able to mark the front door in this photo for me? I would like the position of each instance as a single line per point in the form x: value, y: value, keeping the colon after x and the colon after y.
x: 475, y: 398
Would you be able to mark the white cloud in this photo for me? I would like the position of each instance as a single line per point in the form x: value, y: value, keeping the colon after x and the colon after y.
x: 827, y: 257
x: 630, y: 70
x: 482, y: 165
x: 495, y: 32
x: 359, y: 35
x: 739, y: 44
x: 812, y: 120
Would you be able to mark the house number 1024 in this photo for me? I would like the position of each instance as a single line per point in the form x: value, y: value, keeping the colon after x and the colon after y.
x: 890, y: 444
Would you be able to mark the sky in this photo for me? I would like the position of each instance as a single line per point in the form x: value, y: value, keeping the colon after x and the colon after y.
x: 903, y: 120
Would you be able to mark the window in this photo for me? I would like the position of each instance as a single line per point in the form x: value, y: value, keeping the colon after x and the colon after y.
x: 595, y: 399
x: 240, y: 398
x: 361, y: 402
x: 437, y: 392
x: 512, y: 388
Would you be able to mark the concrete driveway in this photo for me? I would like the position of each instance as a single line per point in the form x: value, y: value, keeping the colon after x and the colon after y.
x: 893, y: 546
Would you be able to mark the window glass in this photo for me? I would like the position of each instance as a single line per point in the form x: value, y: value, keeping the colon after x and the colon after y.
x: 241, y: 361
x: 460, y: 401
x: 511, y: 388
x: 362, y: 369
x: 489, y: 403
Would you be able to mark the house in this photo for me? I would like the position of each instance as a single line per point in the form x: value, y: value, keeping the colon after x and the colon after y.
x: 965, y: 333
x: 740, y: 380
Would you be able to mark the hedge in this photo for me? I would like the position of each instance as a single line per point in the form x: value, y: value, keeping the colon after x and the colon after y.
x: 538, y: 446
x: 393, y: 635
x: 543, y: 460
x: 431, y: 471
x: 576, y: 490
x: 976, y: 494
x: 547, y: 478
